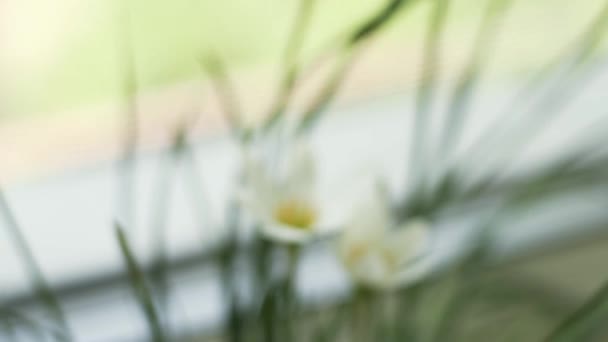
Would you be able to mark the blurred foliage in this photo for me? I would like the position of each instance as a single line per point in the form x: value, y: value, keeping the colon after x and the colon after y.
x: 461, y: 302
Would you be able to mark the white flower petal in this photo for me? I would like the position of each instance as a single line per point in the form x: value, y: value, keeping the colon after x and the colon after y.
x: 415, y: 272
x: 410, y: 240
x: 291, y: 184
x: 325, y: 229
x: 378, y: 255
x: 365, y: 231
x: 279, y: 232
x: 370, y: 220
x: 372, y: 270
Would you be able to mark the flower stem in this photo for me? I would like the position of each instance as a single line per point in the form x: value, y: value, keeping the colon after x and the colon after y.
x: 290, y: 293
x: 362, y: 320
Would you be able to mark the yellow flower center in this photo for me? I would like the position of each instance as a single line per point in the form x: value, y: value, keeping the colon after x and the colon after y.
x: 295, y: 214
x: 355, y: 253
x: 359, y: 251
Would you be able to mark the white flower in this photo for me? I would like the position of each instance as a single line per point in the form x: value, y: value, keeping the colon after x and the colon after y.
x: 375, y: 251
x: 283, y: 199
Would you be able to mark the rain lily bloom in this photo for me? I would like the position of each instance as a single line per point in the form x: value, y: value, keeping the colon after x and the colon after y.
x: 284, y: 203
x: 375, y: 251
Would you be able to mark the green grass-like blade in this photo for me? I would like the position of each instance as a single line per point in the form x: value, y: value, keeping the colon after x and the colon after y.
x: 426, y: 90
x: 359, y: 34
x: 585, y: 166
x: 501, y: 293
x: 41, y: 286
x: 465, y: 88
x: 161, y: 206
x: 125, y: 200
x: 592, y: 39
x: 290, y: 63
x: 140, y: 288
x: 561, y: 177
x: 527, y: 122
x: 584, y: 322
x: 12, y: 321
x: 348, y: 41
x: 326, y: 94
x: 572, y: 172
x: 198, y: 197
x: 227, y: 94
x: 229, y: 274
x: 376, y: 22
x: 329, y: 90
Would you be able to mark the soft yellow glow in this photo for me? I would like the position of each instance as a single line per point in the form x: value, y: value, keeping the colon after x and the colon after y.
x: 358, y: 252
x: 295, y: 214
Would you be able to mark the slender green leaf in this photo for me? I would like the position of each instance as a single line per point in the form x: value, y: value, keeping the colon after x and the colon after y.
x: 377, y: 21
x: 328, y: 329
x: 359, y: 34
x: 229, y: 274
x: 568, y: 173
x: 140, y: 287
x: 498, y: 141
x: 530, y: 192
x: 347, y: 42
x: 584, y: 322
x: 426, y: 91
x: 15, y: 321
x: 325, y: 95
x: 465, y: 88
x: 226, y: 92
x: 161, y: 207
x: 199, y: 199
x: 125, y: 199
x: 34, y: 271
x: 290, y: 63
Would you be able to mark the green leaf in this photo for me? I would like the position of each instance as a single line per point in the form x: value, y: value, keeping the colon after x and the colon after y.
x: 125, y: 198
x: 227, y: 94
x: 13, y: 321
x: 566, y: 174
x: 290, y: 64
x: 291, y: 72
x: 325, y: 95
x: 161, y: 207
x: 376, y: 22
x: 525, y: 115
x: 426, y: 91
x: 140, y: 287
x: 464, y: 91
x: 41, y: 286
x: 584, y: 322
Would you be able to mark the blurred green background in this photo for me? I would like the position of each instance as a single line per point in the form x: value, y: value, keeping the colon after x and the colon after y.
x: 81, y: 62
